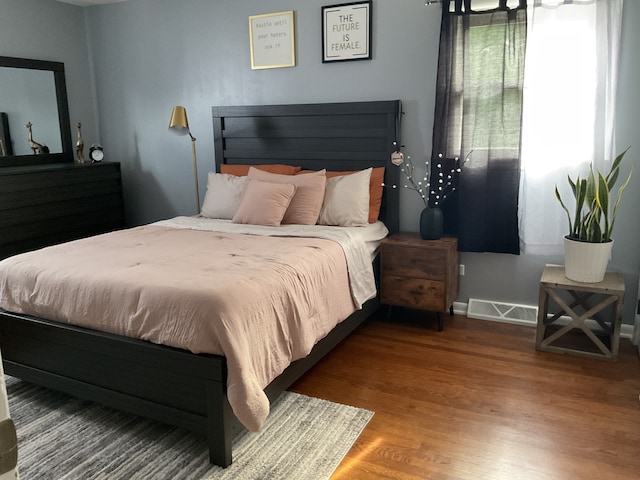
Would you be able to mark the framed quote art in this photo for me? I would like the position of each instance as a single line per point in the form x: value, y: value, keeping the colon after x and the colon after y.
x: 272, y: 40
x: 346, y: 32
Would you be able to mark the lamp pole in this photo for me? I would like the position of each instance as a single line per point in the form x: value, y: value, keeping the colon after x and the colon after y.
x: 180, y: 125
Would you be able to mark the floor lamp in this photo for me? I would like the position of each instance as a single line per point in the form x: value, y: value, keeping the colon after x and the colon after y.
x: 180, y: 125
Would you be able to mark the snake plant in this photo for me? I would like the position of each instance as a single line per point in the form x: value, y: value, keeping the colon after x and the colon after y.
x: 594, y: 215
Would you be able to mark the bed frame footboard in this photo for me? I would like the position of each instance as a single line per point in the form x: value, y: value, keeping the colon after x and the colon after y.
x: 169, y: 385
x: 162, y: 383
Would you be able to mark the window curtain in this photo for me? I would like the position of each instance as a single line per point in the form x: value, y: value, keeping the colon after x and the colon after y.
x: 568, y: 111
x: 636, y: 331
x: 478, y: 115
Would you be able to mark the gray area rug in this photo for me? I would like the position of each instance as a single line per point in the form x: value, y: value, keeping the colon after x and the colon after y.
x: 61, y: 437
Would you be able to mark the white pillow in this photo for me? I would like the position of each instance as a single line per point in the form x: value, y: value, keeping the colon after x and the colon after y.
x: 346, y: 200
x: 223, y: 197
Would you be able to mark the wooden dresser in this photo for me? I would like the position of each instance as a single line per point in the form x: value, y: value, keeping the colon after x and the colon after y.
x: 420, y: 274
x: 42, y: 205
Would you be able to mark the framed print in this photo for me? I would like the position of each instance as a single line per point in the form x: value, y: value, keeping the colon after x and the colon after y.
x: 272, y: 40
x: 346, y: 32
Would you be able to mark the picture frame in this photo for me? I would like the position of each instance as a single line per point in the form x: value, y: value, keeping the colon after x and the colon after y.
x: 346, y: 31
x: 272, y: 40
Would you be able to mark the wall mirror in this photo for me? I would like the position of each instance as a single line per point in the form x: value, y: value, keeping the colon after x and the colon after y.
x: 34, y: 113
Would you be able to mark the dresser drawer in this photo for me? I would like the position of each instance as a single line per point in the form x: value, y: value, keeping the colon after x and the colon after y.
x: 42, y: 205
x: 414, y: 262
x: 417, y: 293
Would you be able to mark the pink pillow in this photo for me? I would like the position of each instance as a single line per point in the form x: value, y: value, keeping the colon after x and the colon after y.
x: 264, y: 203
x: 305, y: 205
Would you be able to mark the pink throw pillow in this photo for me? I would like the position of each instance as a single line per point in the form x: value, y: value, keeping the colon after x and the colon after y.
x: 264, y: 203
x: 305, y: 205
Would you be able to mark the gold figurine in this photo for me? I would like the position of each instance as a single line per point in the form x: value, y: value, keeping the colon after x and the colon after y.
x: 79, y: 146
x: 36, y: 147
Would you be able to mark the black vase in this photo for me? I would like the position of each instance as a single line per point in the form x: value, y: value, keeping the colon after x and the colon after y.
x: 431, y: 223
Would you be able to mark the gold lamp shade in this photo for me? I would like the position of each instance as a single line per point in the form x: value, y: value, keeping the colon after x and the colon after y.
x: 179, y: 122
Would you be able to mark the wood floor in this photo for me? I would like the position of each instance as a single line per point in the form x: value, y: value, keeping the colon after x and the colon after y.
x: 477, y: 401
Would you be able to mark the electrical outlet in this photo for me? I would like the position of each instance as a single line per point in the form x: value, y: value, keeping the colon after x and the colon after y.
x: 461, y: 270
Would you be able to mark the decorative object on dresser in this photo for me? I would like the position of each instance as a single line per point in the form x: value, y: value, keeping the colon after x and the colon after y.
x: 180, y: 125
x: 79, y: 145
x: 603, y: 333
x: 420, y: 274
x: 36, y: 148
x: 587, y: 247
x: 96, y: 153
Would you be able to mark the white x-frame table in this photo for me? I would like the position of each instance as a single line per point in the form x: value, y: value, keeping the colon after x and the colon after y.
x: 610, y: 291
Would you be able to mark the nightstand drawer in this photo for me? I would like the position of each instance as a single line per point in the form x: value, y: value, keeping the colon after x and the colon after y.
x: 414, y: 262
x: 413, y: 293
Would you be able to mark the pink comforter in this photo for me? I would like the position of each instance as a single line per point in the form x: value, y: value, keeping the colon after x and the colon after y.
x: 262, y: 302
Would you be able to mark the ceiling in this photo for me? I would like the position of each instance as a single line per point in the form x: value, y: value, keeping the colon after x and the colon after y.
x: 85, y: 3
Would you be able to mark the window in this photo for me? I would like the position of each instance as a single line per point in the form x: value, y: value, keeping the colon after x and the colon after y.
x: 569, y: 97
x: 479, y: 110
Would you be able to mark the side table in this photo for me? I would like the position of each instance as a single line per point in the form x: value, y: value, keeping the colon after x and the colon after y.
x: 420, y: 274
x: 610, y: 291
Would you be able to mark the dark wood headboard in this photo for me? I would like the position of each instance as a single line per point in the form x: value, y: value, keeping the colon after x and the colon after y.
x: 335, y: 136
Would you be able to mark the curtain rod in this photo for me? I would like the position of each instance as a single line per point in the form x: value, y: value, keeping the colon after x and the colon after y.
x: 502, y: 4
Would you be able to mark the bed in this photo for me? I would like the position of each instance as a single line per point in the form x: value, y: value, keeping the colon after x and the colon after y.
x: 173, y: 385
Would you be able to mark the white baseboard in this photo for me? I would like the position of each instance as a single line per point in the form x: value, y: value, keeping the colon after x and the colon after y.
x: 459, y: 308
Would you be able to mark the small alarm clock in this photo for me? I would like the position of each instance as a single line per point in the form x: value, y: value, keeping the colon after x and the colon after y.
x: 95, y: 153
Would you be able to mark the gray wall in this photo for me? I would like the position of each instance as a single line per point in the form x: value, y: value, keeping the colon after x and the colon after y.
x: 149, y: 55
x: 153, y: 54
x: 53, y: 31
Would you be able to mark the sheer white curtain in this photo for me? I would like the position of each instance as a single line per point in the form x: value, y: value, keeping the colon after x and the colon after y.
x: 568, y: 109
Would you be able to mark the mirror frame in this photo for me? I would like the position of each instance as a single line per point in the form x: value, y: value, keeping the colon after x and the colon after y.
x: 63, y: 114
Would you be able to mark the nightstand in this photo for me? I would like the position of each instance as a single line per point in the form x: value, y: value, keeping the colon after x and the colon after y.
x: 420, y: 274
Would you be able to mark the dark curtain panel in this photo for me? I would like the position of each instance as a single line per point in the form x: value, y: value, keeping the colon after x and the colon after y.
x: 479, y: 114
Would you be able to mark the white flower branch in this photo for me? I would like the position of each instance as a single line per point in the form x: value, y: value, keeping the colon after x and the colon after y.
x: 445, y: 186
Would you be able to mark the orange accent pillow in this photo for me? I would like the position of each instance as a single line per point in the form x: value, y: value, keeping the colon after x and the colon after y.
x: 243, y: 170
x: 375, y: 188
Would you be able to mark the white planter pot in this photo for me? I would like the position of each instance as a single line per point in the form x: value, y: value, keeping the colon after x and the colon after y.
x: 586, y: 262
